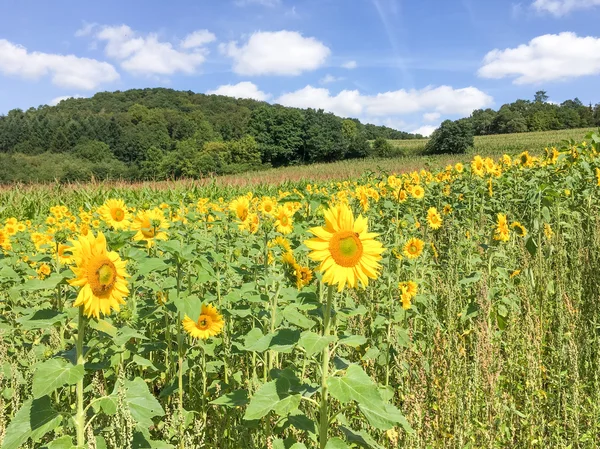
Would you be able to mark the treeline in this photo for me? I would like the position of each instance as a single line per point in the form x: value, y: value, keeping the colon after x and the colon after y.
x: 537, y: 115
x: 167, y: 134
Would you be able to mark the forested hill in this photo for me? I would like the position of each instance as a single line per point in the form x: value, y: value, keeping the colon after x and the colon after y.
x: 163, y: 133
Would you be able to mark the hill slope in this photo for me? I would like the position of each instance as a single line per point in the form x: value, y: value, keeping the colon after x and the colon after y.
x: 162, y: 133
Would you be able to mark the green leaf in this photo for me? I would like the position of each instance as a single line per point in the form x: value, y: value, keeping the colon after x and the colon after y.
x: 361, y: 438
x: 287, y: 444
x: 284, y: 340
x: 189, y: 305
x: 531, y: 246
x: 41, y: 319
x: 294, y: 316
x: 353, y: 340
x: 234, y: 399
x: 53, y: 374
x: 357, y: 386
x: 336, y: 443
x: 150, y: 265
x: 61, y: 443
x: 35, y: 418
x: 274, y: 396
x: 141, y: 403
x: 314, y: 343
x: 255, y: 341
x: 104, y: 326
x: 47, y: 284
x: 125, y: 334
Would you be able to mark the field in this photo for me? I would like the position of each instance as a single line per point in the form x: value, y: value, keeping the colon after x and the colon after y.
x: 503, y: 143
x: 453, y: 307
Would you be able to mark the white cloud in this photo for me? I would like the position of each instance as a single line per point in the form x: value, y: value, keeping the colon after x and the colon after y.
x: 562, y: 7
x: 431, y: 116
x: 350, y: 65
x: 442, y: 100
x: 327, y: 79
x: 198, y: 39
x: 425, y: 130
x: 245, y: 89
x: 276, y: 53
x: 57, y: 100
x: 550, y: 57
x: 148, y: 55
x: 67, y: 71
x: 86, y: 29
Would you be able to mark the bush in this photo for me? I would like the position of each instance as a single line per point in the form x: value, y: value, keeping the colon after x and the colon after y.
x: 451, y: 137
x: 382, y: 148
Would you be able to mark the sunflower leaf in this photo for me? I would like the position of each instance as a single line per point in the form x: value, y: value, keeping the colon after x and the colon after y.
x: 53, y: 374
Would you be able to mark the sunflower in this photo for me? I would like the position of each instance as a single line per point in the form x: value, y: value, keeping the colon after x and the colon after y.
x: 478, y: 166
x: 100, y: 274
x: 44, y: 270
x: 406, y: 300
x: 502, y: 232
x: 459, y: 167
x: 209, y: 324
x: 408, y: 287
x: 284, y: 220
x: 347, y: 251
x: 433, y: 218
x: 303, y: 276
x: 5, y: 241
x: 447, y: 209
x: 519, y: 229
x: 526, y: 160
x: 115, y: 214
x: 413, y: 248
x: 598, y: 176
x: 64, y: 254
x: 150, y: 226
x: 548, y: 232
x: 418, y: 192
x: 267, y: 206
x: 241, y: 207
x: 288, y: 259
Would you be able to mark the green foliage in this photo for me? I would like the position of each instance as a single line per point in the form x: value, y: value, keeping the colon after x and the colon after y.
x: 451, y: 138
x: 382, y: 147
x: 162, y: 134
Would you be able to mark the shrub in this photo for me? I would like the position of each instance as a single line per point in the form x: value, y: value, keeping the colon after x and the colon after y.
x: 451, y: 137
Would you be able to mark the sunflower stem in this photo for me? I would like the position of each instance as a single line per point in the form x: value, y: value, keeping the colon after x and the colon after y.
x: 180, y: 379
x: 80, y: 415
x: 324, y: 413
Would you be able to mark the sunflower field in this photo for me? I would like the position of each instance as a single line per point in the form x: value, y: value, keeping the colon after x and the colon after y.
x: 449, y: 309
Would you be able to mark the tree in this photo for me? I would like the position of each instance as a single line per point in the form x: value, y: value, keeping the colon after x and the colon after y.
x: 451, y: 137
x: 540, y: 96
x: 382, y: 148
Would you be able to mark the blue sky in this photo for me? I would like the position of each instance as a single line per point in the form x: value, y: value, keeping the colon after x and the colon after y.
x: 405, y: 63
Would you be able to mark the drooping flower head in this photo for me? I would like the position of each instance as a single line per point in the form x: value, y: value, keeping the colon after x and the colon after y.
x: 347, y: 251
x: 209, y: 323
x: 100, y: 274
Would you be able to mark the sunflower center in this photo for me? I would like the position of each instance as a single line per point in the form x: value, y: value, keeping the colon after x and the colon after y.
x: 103, y: 277
x: 346, y: 248
x: 412, y: 249
x: 268, y: 208
x: 204, y: 322
x: 117, y: 214
x: 284, y: 220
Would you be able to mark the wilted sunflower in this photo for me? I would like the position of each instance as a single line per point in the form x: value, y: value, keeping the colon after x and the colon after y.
x: 100, y: 274
x: 284, y: 220
x: 347, y: 251
x: 209, y: 324
x: 433, y: 218
x: 519, y: 229
x: 115, y: 214
x: 150, y: 226
x: 413, y: 248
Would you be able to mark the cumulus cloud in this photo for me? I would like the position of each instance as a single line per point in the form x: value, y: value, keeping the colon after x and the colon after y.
x: 57, y: 100
x: 562, y: 7
x: 551, y: 57
x: 245, y: 89
x: 426, y: 130
x: 276, y: 53
x: 350, y: 65
x: 147, y: 55
x: 67, y: 71
x: 431, y: 116
x: 441, y: 100
x: 198, y: 39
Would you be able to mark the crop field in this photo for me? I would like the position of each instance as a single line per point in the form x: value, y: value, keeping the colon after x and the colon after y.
x: 450, y: 307
x: 498, y: 144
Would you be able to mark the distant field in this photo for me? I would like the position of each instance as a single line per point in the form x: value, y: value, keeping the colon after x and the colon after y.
x: 504, y: 143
